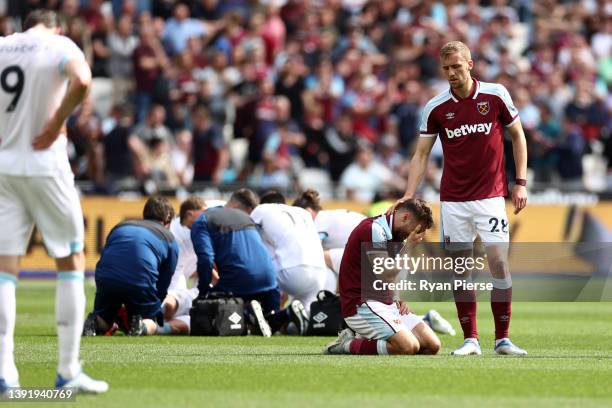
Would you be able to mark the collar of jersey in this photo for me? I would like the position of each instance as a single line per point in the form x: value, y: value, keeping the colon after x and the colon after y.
x: 473, y: 95
x: 386, y: 225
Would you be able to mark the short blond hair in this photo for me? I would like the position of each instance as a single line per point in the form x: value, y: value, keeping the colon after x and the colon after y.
x: 455, y: 47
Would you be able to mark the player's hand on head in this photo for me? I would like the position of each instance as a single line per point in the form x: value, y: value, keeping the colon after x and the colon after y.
x: 398, y: 202
x: 416, y: 235
x: 48, y: 135
x: 519, y: 198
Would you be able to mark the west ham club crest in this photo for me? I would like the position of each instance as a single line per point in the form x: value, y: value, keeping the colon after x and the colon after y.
x: 483, y: 107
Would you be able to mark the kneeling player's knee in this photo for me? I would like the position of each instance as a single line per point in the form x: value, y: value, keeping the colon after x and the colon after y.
x: 409, y: 346
x: 178, y: 327
x: 432, y: 346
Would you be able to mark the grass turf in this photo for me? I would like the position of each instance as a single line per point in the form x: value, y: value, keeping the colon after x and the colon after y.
x: 570, y: 364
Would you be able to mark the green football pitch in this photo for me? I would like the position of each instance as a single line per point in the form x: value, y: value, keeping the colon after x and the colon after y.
x: 570, y: 364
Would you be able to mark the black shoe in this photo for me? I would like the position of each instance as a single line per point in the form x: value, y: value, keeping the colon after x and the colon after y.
x: 137, y: 326
x: 90, y: 327
x: 258, y: 319
x: 299, y: 316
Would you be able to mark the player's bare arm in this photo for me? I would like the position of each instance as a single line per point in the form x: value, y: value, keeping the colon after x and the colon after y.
x: 79, y: 73
x: 418, y: 164
x: 416, y: 169
x: 519, y: 148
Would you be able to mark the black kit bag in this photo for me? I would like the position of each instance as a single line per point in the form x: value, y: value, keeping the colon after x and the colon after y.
x: 217, y: 314
x: 325, y: 315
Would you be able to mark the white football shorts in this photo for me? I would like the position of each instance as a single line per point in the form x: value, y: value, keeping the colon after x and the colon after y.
x: 303, y: 282
x: 379, y: 321
x: 49, y: 202
x: 461, y: 221
x: 184, y: 297
x: 335, y: 255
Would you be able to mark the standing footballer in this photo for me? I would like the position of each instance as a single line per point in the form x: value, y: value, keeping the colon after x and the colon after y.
x: 470, y: 119
x: 43, y: 78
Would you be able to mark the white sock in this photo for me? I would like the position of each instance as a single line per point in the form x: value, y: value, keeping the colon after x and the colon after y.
x: 69, y: 316
x: 381, y: 347
x: 347, y: 346
x: 8, y: 370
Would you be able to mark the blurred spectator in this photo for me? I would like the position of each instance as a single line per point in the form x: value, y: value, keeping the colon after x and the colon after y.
x: 216, y: 81
x: 93, y: 16
x: 265, y: 116
x: 161, y: 170
x: 570, y: 149
x: 69, y: 9
x: 542, y: 144
x: 210, y: 154
x: 290, y: 83
x: 181, y: 27
x: 340, y: 143
x: 273, y: 31
x: 388, y: 154
x: 121, y: 44
x: 405, y: 112
x: 324, y: 88
x: 100, y: 27
x: 283, y: 145
x: 79, y: 32
x: 365, y: 176
x: 85, y: 135
x: 125, y: 154
x: 529, y: 113
x: 153, y: 127
x: 149, y: 61
x: 586, y: 111
x: 209, y: 10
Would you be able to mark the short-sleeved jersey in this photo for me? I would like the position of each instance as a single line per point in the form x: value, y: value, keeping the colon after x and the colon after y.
x: 290, y: 235
x: 372, y: 232
x: 32, y: 86
x: 472, y: 134
x: 335, y: 226
x: 187, y: 263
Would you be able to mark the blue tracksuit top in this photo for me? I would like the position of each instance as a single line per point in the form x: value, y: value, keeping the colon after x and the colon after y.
x: 139, y: 254
x: 229, y: 238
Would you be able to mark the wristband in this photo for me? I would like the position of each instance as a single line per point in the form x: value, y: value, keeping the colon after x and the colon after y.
x: 520, y: 182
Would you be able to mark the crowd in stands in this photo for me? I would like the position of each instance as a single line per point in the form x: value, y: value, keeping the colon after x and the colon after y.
x: 281, y: 93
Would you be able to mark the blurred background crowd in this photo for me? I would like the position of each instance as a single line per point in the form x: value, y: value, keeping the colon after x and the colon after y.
x: 211, y: 94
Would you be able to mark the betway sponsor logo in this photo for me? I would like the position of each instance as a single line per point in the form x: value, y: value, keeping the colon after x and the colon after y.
x: 465, y: 130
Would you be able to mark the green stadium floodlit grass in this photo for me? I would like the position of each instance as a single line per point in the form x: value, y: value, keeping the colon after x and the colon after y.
x: 570, y: 364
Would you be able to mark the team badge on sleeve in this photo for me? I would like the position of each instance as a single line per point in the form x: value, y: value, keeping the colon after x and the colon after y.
x: 483, y: 107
